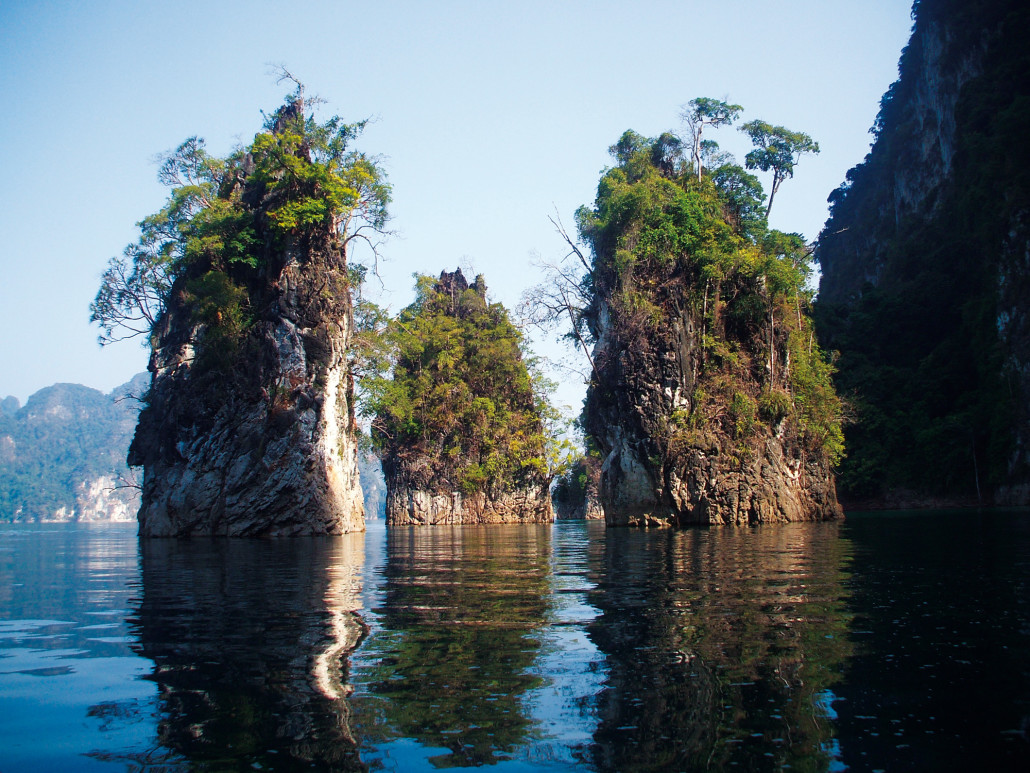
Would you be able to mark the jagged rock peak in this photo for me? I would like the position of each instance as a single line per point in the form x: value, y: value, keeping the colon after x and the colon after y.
x: 453, y: 283
x: 249, y: 427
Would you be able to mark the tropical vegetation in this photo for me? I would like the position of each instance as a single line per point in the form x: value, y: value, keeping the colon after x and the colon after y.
x: 457, y: 408
x: 230, y: 224
x: 676, y: 236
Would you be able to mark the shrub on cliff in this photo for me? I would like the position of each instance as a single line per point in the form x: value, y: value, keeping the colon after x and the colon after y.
x: 459, y: 411
x: 209, y: 249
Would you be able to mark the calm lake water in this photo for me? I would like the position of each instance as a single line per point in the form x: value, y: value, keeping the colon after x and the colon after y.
x: 888, y: 642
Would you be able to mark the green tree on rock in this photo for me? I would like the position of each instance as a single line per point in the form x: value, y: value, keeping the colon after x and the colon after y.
x: 776, y: 149
x: 459, y: 411
x: 227, y: 218
x: 704, y: 353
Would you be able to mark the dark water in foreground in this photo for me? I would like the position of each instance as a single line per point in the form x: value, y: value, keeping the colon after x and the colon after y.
x: 889, y: 642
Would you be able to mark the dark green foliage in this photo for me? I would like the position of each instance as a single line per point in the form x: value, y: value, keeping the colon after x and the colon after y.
x: 221, y: 307
x: 459, y: 413
x: 571, y: 488
x: 778, y: 150
x: 227, y: 225
x: 743, y: 195
x: 913, y: 304
x: 65, y: 435
x: 667, y: 248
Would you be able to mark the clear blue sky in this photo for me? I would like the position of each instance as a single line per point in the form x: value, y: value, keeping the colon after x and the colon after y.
x: 488, y: 115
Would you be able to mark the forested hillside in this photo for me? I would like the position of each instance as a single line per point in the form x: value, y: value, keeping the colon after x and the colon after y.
x: 62, y: 455
x: 925, y: 278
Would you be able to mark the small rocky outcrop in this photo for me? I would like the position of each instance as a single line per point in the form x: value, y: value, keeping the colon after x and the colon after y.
x: 407, y: 506
x: 249, y: 423
x: 457, y: 424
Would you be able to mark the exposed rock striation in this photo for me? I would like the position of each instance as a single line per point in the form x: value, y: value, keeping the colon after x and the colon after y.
x: 656, y: 473
x: 255, y: 434
x: 926, y: 270
x: 268, y: 449
x: 407, y: 506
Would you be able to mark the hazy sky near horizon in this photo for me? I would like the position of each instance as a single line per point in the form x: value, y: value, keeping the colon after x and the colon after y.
x: 489, y: 117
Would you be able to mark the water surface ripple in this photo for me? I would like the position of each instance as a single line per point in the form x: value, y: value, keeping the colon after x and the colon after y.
x: 889, y: 642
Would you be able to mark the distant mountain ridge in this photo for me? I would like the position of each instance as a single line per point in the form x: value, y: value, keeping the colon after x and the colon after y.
x: 62, y: 454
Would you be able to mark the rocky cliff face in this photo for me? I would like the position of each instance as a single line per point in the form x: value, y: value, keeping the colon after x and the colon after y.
x: 925, y: 273
x: 255, y: 435
x: 912, y: 159
x: 407, y: 506
x: 271, y: 447
x: 659, y: 473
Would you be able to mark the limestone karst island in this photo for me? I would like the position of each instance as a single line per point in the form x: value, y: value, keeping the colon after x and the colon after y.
x: 784, y: 525
x: 719, y: 388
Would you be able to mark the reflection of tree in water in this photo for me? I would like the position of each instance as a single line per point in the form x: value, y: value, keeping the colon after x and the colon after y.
x: 249, y: 641
x: 457, y: 640
x: 721, y: 646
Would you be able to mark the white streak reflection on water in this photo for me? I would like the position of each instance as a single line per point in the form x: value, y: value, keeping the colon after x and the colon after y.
x: 889, y: 641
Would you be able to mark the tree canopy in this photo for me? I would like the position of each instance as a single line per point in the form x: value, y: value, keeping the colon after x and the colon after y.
x: 705, y: 111
x: 459, y: 410
x: 776, y: 149
x: 665, y: 244
x: 227, y: 219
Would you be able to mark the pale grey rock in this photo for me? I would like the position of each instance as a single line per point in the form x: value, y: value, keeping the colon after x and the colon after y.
x: 269, y: 447
x: 414, y: 507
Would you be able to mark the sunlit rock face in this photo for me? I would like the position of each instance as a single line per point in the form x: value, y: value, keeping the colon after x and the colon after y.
x: 271, y: 449
x: 707, y: 480
x: 265, y: 444
x: 414, y: 507
x: 104, y: 498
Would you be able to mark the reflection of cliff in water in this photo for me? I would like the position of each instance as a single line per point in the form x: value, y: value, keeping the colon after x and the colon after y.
x: 458, y: 636
x: 721, y: 648
x: 249, y: 642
